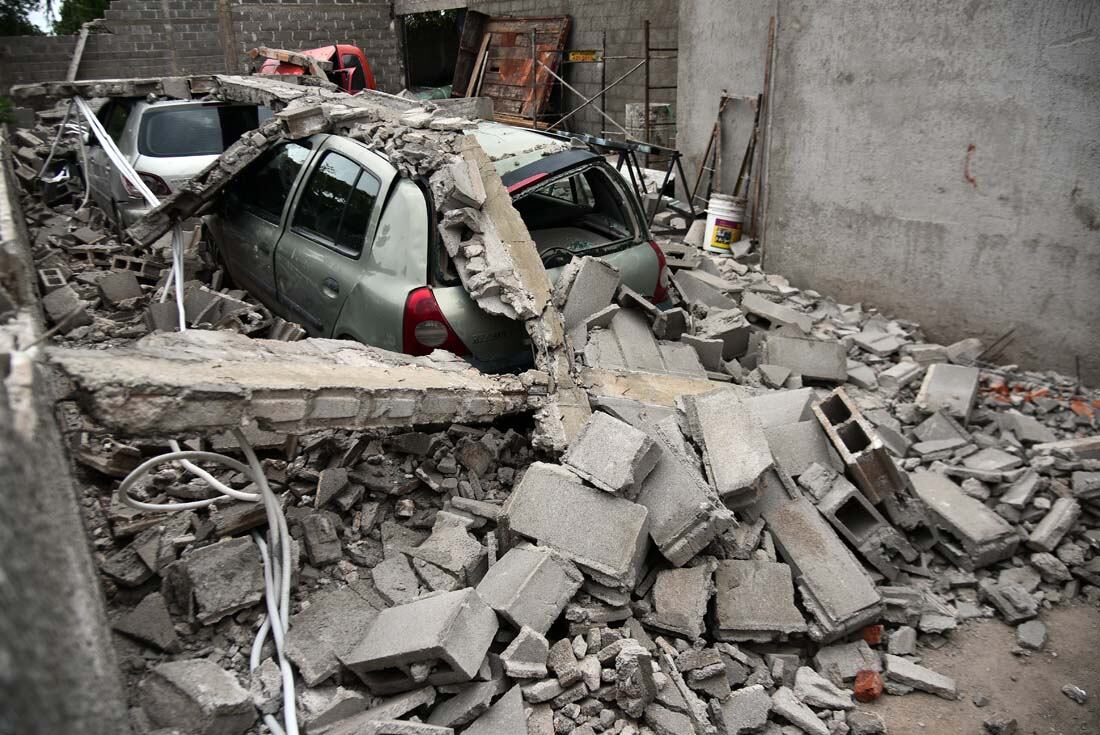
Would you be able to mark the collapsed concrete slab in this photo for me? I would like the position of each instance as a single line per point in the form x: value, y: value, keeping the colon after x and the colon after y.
x: 213, y: 381
x: 971, y: 535
x: 834, y: 587
x: 604, y: 534
x: 731, y: 437
x: 529, y: 587
x: 859, y: 446
x: 435, y: 640
x: 754, y: 601
x: 628, y: 344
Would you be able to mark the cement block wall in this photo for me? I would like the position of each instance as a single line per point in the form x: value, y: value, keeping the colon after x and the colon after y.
x: 937, y: 160
x: 175, y: 37
x: 59, y: 673
x: 623, y: 24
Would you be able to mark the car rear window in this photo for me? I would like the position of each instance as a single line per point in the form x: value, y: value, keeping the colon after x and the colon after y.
x: 584, y: 211
x: 194, y: 131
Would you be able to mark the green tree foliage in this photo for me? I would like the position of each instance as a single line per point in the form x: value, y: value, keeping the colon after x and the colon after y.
x: 14, y: 18
x: 74, y: 13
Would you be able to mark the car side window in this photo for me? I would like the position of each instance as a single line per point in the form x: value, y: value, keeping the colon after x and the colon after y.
x: 265, y: 188
x: 336, y: 204
x: 117, y: 120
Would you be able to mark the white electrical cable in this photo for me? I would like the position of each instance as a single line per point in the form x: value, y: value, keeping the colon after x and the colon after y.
x: 276, y: 561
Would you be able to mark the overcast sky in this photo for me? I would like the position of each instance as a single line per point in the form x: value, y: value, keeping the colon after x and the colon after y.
x: 38, y: 17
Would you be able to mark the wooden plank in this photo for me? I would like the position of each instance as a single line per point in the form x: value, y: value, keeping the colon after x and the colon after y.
x: 469, y: 45
x: 479, y: 64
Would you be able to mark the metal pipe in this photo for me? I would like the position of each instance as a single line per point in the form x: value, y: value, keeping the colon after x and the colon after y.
x: 645, y: 106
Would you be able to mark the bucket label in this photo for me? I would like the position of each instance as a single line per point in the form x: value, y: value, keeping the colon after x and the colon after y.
x: 726, y: 232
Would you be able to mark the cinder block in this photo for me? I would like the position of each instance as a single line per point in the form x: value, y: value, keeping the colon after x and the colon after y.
x: 754, y: 601
x: 685, y: 513
x: 696, y: 288
x: 612, y: 455
x: 834, y: 587
x: 778, y: 408
x: 1048, y: 533
x: 680, y: 598
x: 588, y: 291
x: 797, y: 446
x: 735, y: 448
x: 530, y: 587
x: 447, y: 635
x: 603, y: 533
x: 855, y: 519
x: 859, y: 447
x: 949, y: 388
x: 813, y: 359
x: 971, y: 535
x: 196, y: 696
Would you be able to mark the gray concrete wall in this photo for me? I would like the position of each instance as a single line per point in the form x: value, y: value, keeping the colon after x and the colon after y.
x: 58, y: 672
x: 939, y: 160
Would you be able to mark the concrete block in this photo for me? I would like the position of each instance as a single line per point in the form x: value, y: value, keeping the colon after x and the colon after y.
x: 1028, y: 429
x: 590, y: 289
x: 790, y: 708
x: 744, y: 712
x: 735, y: 448
x: 859, y: 446
x: 795, y: 447
x: 770, y: 315
x: 925, y: 354
x: 505, y: 717
x: 196, y: 696
x: 817, y: 691
x: 903, y: 641
x: 438, y: 640
x: 525, y: 656
x: 685, y: 513
x: 882, y: 344
x: 949, y: 388
x: 971, y: 535
x: 991, y: 459
x: 224, y: 577
x: 1050, y: 531
x: 709, y: 350
x: 896, y: 377
x: 468, y: 704
x: 664, y: 721
x: 1014, y: 603
x: 862, y: 526
x: 680, y: 598
x: 325, y: 631
x: 670, y: 324
x: 150, y: 623
x: 754, y: 601
x: 698, y: 287
x: 603, y: 533
x: 916, y: 676
x: 727, y: 325
x: 116, y: 287
x: 451, y: 548
x: 841, y: 662
x: 813, y: 359
x: 60, y: 303
x: 321, y: 540
x: 779, y: 408
x: 395, y: 579
x: 833, y: 585
x: 1083, y: 448
x: 612, y: 455
x: 530, y: 587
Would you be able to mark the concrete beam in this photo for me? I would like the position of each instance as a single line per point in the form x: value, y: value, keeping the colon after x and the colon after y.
x: 212, y: 381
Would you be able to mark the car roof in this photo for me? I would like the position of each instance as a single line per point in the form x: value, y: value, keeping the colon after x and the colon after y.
x: 511, y: 148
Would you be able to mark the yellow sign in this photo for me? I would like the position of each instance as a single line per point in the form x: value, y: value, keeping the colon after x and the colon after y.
x: 585, y: 56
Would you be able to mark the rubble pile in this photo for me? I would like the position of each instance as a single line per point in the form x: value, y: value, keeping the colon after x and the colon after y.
x: 752, y: 559
x: 777, y: 503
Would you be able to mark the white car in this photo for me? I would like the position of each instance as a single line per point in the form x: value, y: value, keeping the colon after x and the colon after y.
x: 166, y: 142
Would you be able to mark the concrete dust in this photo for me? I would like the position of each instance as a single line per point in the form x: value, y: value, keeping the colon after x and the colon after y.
x: 1027, y: 688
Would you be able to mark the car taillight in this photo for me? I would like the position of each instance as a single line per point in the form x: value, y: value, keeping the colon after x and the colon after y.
x: 155, y: 183
x: 660, y: 292
x: 425, y: 328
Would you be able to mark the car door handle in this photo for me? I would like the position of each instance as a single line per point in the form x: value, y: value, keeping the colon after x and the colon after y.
x: 330, y: 288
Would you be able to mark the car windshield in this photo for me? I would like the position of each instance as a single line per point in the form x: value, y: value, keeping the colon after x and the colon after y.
x: 195, y: 131
x: 583, y: 211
